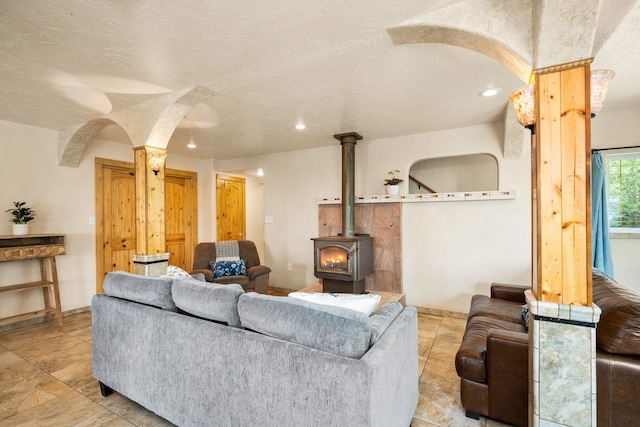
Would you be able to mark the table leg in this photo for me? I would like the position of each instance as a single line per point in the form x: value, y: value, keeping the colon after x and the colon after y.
x: 56, y: 289
x: 45, y: 290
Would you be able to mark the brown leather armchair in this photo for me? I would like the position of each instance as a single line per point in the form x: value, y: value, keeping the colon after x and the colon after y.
x: 493, y: 358
x: 257, y: 278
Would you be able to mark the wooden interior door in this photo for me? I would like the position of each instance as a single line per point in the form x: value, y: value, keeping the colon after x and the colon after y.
x: 181, y: 217
x: 230, y: 208
x: 115, y: 217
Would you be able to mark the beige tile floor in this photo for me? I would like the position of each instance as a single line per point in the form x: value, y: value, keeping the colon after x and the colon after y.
x: 45, y: 378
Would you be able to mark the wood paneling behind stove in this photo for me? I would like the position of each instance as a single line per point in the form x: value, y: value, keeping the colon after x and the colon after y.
x: 383, y: 222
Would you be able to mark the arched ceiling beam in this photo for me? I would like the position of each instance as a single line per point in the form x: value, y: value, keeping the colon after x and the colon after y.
x: 72, y: 142
x: 153, y: 122
x: 149, y: 123
x: 499, y: 30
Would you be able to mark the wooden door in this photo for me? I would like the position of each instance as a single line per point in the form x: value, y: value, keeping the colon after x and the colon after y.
x: 181, y: 217
x: 115, y: 217
x: 230, y: 208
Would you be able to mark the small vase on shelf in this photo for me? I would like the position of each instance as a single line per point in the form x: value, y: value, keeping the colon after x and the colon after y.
x: 20, y: 229
x: 391, y: 184
x: 392, y: 190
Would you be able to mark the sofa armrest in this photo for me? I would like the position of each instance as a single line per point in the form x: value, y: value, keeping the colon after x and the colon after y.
x: 513, y: 293
x: 208, y: 274
x: 507, y: 359
x: 618, y: 377
x: 257, y: 270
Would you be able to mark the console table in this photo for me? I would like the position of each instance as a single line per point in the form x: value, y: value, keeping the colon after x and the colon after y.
x: 43, y: 247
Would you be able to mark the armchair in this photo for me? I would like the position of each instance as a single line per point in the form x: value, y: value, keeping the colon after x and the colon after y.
x: 257, y: 278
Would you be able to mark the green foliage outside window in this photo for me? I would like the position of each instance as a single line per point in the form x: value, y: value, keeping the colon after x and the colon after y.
x: 624, y: 192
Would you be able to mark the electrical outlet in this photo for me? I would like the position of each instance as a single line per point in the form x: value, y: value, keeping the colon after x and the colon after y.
x: 289, y: 267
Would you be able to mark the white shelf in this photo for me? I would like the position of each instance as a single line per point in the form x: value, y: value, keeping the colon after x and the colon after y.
x: 426, y: 198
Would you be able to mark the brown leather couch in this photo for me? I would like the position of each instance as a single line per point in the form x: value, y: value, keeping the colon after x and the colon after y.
x: 257, y: 278
x: 492, y: 360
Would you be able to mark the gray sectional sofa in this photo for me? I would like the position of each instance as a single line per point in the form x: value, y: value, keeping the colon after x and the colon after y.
x: 204, y: 354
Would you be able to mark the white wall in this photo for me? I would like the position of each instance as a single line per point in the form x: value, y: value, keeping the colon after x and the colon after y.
x: 292, y: 182
x: 451, y: 251
x: 618, y: 129
x: 64, y: 200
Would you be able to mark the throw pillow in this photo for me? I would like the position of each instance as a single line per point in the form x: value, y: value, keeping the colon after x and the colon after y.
x: 175, y: 271
x: 228, y: 268
x: 525, y: 316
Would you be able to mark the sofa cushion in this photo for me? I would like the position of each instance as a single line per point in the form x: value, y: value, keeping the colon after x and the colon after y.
x: 154, y: 291
x: 482, y: 305
x: 208, y: 300
x: 228, y: 268
x: 380, y: 319
x: 618, y: 330
x: 332, y: 329
x: 470, y: 359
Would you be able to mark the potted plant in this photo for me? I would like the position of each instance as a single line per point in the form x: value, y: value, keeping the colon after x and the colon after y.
x: 21, y: 217
x: 391, y: 184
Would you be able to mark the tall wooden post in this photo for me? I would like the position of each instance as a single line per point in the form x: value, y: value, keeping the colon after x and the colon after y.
x: 563, y: 187
x: 562, y: 318
x: 151, y: 257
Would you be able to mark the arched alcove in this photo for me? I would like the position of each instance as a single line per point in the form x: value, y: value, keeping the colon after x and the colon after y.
x: 472, y: 172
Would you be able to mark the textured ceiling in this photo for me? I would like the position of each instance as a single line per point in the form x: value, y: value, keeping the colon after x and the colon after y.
x: 329, y: 64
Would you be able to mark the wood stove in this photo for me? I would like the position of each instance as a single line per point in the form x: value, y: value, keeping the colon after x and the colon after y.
x: 344, y: 261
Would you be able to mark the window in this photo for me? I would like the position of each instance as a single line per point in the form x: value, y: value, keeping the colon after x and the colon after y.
x: 623, y: 185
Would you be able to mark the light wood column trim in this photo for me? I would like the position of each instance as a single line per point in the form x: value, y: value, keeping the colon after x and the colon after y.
x: 561, y: 190
x: 150, y: 201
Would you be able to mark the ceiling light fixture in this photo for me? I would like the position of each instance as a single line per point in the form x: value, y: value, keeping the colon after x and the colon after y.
x: 599, y: 84
x: 300, y: 126
x: 191, y: 145
x: 523, y: 101
x: 490, y: 92
x: 260, y: 172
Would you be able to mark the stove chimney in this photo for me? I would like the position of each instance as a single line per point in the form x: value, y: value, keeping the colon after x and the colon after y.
x: 348, y: 142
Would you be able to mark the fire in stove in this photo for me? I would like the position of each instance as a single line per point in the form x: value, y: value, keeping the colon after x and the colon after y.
x: 333, y: 259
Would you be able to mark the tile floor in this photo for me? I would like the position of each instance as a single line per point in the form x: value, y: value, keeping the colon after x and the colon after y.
x: 45, y: 378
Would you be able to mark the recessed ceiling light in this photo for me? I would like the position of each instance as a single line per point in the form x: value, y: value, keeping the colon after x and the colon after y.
x: 191, y: 145
x: 300, y: 126
x: 490, y: 92
x: 260, y: 172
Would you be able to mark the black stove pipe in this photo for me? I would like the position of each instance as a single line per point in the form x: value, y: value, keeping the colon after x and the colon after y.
x: 348, y: 142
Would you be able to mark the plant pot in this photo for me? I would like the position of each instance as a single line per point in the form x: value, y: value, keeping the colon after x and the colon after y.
x: 392, y: 190
x: 20, y: 229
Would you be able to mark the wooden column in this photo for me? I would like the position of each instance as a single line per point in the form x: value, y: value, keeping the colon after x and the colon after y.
x: 562, y: 190
x: 562, y: 318
x: 150, y: 200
